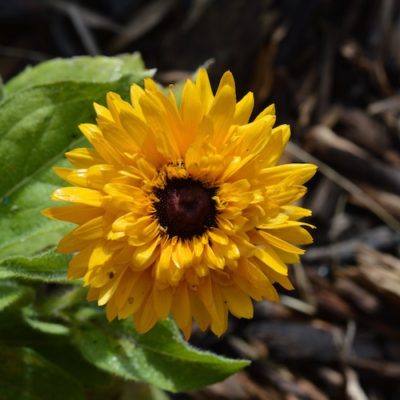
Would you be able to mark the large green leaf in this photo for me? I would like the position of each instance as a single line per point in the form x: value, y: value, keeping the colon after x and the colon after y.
x: 48, y: 267
x: 160, y: 357
x: 98, y: 69
x: 25, y: 375
x: 38, y: 125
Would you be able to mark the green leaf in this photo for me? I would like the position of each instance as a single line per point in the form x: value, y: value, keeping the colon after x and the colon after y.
x: 1, y: 88
x: 48, y: 267
x: 160, y: 357
x: 72, y: 361
x: 24, y: 230
x: 32, y: 319
x: 38, y: 125
x: 47, y: 327
x: 58, y: 301
x: 25, y: 375
x: 98, y: 69
x: 13, y: 294
x: 14, y: 331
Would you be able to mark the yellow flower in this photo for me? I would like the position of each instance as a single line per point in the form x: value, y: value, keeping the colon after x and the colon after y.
x: 182, y: 209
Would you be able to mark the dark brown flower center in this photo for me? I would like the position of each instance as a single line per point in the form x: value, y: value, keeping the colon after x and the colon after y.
x: 185, y: 208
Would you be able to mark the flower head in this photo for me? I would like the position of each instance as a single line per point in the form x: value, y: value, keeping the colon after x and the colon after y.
x: 182, y: 210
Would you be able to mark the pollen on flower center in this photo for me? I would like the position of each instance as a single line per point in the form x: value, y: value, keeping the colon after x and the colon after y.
x: 185, y: 208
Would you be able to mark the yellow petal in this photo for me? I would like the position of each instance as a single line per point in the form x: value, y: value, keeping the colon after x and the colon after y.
x: 218, y: 236
x: 83, y: 157
x: 162, y: 301
x: 279, y: 243
x: 219, y: 324
x: 108, y: 291
x: 93, y: 294
x: 162, y: 267
x: 182, y: 255
x: 207, y: 297
x: 296, y: 212
x: 239, y: 304
x: 227, y: 79
x: 78, y: 214
x: 102, y: 112
x: 200, y: 313
x: 204, y: 87
x: 145, y: 318
x: 293, y: 234
x: 138, y: 295
x: 111, y: 311
x: 269, y: 257
x: 165, y: 139
x: 181, y: 306
x: 76, y: 177
x: 221, y: 114
x: 277, y: 143
x: 125, y: 287
x: 100, y: 174
x: 198, y: 247
x: 285, y: 195
x: 191, y: 112
x: 102, y: 146
x: 275, y: 175
x: 145, y: 255
x: 243, y: 109
x: 102, y: 253
x: 270, y: 110
x: 116, y: 105
x: 274, y: 277
x: 85, y: 196
x: 135, y: 126
x: 214, y: 261
x: 136, y: 93
x: 118, y: 137
x: 121, y: 189
x: 79, y: 263
x: 259, y: 280
x: 79, y: 237
x: 187, y: 330
x: 230, y: 251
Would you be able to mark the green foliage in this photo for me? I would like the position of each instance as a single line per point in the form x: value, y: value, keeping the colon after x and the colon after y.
x: 99, y: 69
x: 39, y: 117
x: 1, y: 88
x: 56, y: 345
x: 45, y: 267
x: 26, y: 375
x: 32, y: 319
x: 13, y: 294
x: 160, y: 357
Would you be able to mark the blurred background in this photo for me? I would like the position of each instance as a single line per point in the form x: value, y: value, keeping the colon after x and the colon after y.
x: 332, y: 67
